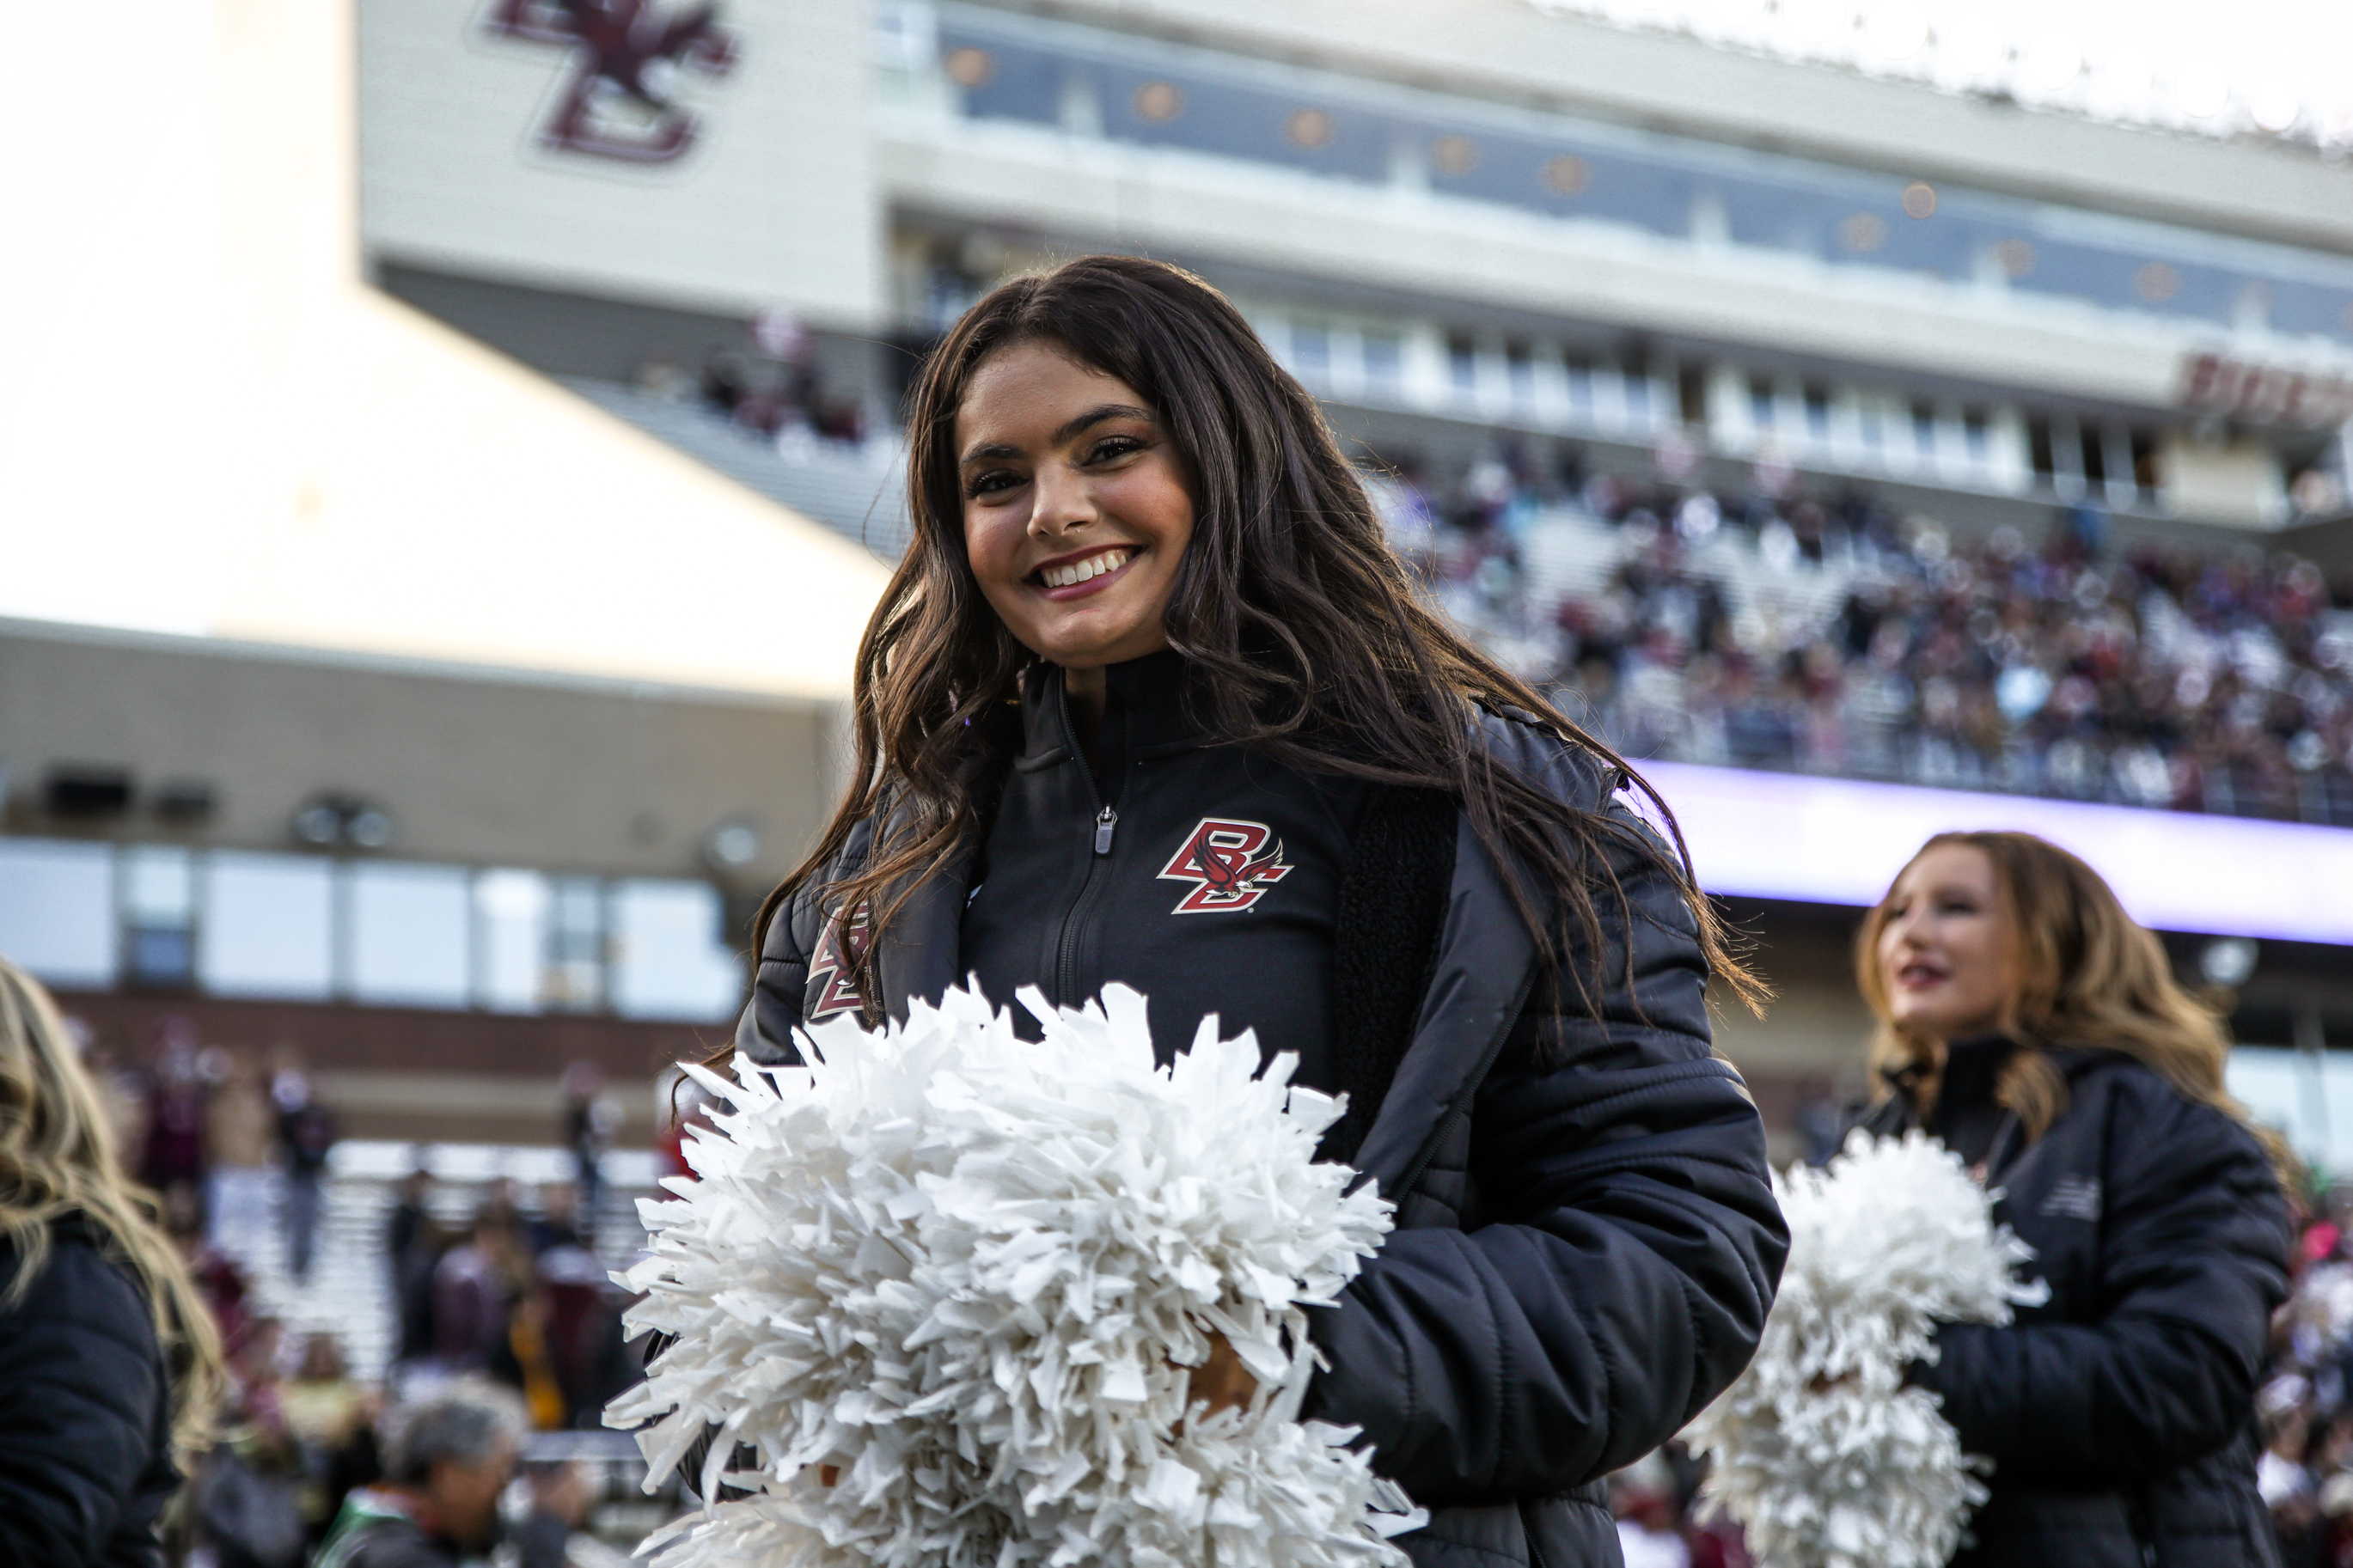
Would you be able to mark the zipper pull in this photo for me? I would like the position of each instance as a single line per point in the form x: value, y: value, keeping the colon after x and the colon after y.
x: 1105, y: 823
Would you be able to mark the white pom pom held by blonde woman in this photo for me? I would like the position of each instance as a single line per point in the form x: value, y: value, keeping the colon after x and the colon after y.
x: 1820, y: 1450
x: 969, y: 1273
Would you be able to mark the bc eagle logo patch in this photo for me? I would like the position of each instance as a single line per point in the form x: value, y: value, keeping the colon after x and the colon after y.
x: 829, y: 967
x: 1229, y: 865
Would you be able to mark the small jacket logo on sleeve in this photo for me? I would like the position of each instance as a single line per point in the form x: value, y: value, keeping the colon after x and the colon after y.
x: 2073, y: 1197
x: 828, y: 979
x: 1228, y: 864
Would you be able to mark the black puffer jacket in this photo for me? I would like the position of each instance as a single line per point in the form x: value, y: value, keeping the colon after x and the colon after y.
x: 2120, y: 1414
x: 1587, y: 1243
x: 85, y: 1414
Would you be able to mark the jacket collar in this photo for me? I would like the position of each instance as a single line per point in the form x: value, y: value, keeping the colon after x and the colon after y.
x: 1146, y: 694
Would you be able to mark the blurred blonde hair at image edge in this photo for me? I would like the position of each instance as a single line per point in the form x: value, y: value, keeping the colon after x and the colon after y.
x: 58, y: 1160
x: 2085, y: 974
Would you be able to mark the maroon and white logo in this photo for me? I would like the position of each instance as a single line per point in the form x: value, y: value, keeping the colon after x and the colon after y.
x: 1229, y: 864
x: 616, y: 103
x: 828, y: 977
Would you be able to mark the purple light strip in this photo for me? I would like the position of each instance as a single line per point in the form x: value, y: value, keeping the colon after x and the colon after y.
x: 1842, y: 841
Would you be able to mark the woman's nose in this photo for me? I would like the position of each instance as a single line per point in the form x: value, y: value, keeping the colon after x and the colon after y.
x: 1063, y: 502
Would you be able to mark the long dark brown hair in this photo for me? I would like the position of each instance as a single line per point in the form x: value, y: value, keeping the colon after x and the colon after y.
x: 2085, y: 973
x: 1306, y: 634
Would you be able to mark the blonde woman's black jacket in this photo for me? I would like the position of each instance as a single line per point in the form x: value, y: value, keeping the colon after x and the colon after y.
x: 85, y: 1414
x: 2120, y: 1413
x: 1587, y: 1243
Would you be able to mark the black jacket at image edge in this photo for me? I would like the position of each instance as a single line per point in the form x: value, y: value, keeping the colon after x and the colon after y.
x: 2119, y: 1414
x: 85, y: 1414
x: 1587, y: 1242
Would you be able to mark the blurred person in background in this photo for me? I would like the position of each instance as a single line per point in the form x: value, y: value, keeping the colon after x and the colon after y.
x: 561, y: 1491
x: 174, y: 1156
x: 447, y: 1454
x: 475, y: 1287
x: 119, y: 1091
x: 241, y: 1126
x: 306, y: 1136
x: 557, y: 1223
x: 109, y: 1369
x: 331, y: 1416
x: 588, y: 1118
x: 2029, y: 1023
x: 414, y: 1242
x: 247, y: 1492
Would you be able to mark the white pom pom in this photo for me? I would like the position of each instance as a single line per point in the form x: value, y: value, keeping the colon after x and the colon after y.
x: 969, y: 1272
x: 1818, y: 1449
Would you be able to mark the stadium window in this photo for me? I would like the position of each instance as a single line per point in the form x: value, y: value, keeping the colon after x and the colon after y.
x: 1520, y: 372
x: 511, y: 940
x: 1384, y: 359
x: 1691, y: 394
x: 1924, y: 426
x: 1637, y: 387
x: 1871, y: 420
x: 265, y: 927
x: 2144, y: 462
x: 2095, y: 456
x: 1976, y: 434
x: 1817, y: 411
x: 411, y: 941
x: 159, y: 916
x: 1580, y: 382
x: 575, y: 945
x: 2039, y: 450
x: 1462, y: 362
x: 670, y: 957
x: 56, y: 910
x: 1761, y: 408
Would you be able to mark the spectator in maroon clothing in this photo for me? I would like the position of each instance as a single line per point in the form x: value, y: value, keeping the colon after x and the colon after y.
x: 174, y: 1153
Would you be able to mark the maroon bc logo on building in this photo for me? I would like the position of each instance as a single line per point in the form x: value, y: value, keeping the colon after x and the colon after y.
x: 617, y: 102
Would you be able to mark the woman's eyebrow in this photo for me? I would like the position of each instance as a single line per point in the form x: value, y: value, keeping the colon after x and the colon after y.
x: 1070, y: 428
x: 1095, y: 416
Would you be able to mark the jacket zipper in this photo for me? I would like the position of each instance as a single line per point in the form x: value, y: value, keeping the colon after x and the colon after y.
x: 1528, y: 1535
x: 1106, y: 821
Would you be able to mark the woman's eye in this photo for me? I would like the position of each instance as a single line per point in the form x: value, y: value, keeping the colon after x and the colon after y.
x: 988, y: 483
x: 1114, y: 447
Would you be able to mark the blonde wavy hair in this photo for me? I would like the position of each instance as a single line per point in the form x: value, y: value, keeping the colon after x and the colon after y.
x: 57, y: 1160
x: 2086, y: 975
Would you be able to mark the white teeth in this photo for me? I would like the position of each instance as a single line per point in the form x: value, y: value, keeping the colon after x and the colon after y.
x: 1093, y: 566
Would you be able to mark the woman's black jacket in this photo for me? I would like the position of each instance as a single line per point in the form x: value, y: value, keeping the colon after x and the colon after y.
x: 2120, y: 1414
x: 1587, y: 1243
x: 85, y: 1414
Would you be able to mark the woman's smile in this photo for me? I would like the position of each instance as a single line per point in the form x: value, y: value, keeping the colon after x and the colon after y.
x: 1076, y: 576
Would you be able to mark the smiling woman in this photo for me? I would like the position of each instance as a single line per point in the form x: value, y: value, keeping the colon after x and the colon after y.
x: 2028, y: 1023
x: 1150, y: 700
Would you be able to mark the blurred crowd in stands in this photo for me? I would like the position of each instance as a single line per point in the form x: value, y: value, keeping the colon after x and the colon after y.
x: 233, y: 1146
x: 1831, y: 636
x: 770, y: 386
x: 499, y: 1297
x: 2306, y: 1403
